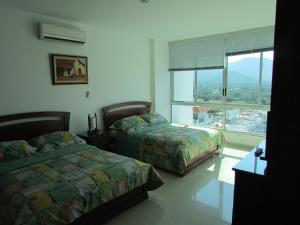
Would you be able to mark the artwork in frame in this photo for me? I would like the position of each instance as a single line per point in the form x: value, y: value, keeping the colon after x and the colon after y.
x: 67, y: 69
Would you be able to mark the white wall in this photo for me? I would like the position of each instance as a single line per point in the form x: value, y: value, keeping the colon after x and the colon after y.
x: 121, y: 68
x: 118, y: 69
x: 161, y: 79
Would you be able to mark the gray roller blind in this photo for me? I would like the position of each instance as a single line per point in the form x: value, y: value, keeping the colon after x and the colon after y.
x: 250, y: 40
x: 197, y: 53
x: 209, y: 51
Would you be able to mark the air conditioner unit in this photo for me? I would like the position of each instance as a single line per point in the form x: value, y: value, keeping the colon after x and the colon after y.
x: 61, y: 33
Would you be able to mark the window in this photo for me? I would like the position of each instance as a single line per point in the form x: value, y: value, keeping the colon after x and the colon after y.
x: 209, y: 85
x: 235, y: 98
x: 266, y: 81
x: 243, y: 78
x: 183, y: 86
x: 208, y: 116
x: 246, y: 120
x: 182, y: 114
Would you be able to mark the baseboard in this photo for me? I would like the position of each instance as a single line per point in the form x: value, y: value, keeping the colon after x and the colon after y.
x: 239, y: 145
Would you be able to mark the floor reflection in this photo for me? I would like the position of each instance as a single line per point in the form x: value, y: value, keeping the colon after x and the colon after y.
x: 204, y: 196
x: 218, y: 192
x: 218, y: 195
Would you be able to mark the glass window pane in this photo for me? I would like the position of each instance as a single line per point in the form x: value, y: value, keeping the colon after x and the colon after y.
x: 209, y: 85
x: 208, y: 116
x: 183, y: 86
x: 266, y: 81
x: 182, y: 114
x: 246, y: 120
x: 243, y: 78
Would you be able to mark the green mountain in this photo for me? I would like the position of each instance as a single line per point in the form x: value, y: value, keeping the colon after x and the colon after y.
x: 242, y: 73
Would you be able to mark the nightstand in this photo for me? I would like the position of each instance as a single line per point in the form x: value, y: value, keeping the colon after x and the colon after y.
x: 101, y: 140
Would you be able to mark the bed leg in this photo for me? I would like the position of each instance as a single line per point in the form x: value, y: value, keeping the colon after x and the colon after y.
x: 181, y: 173
x: 217, y: 152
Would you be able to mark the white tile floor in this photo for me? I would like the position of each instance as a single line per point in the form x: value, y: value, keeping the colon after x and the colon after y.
x: 202, y: 197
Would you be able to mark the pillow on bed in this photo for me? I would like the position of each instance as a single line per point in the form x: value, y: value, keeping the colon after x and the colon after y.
x: 54, y: 140
x: 154, y: 118
x: 112, y: 131
x: 10, y: 150
x: 130, y: 123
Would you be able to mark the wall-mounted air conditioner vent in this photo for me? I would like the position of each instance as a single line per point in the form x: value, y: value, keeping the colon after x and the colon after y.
x: 54, y: 32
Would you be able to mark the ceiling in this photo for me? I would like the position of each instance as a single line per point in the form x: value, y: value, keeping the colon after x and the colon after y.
x: 162, y: 19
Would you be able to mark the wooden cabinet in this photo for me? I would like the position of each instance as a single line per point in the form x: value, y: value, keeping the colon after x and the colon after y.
x: 101, y: 140
x: 249, y: 189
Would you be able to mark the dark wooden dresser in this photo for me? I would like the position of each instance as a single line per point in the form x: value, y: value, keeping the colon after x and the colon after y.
x: 249, y: 189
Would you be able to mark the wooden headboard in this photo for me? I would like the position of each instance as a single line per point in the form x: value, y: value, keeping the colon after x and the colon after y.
x: 118, y: 111
x: 31, y: 124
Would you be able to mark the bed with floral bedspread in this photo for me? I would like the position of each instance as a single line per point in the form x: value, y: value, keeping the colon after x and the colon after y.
x: 56, y: 187
x: 152, y: 139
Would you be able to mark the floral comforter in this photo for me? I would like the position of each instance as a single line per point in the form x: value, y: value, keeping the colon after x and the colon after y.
x: 59, y: 186
x: 166, y: 146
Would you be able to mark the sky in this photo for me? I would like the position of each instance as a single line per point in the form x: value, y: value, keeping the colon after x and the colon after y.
x: 267, y: 55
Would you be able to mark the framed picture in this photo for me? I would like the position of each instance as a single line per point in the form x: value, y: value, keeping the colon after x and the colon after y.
x: 67, y: 69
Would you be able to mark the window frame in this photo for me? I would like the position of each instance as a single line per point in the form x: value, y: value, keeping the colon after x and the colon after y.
x: 223, y: 103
